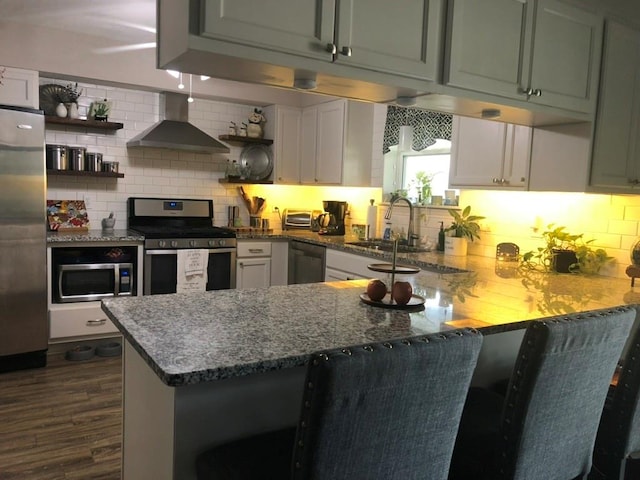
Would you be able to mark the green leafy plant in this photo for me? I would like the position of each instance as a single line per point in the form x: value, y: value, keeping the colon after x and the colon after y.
x: 589, y: 260
x: 422, y: 183
x: 464, y: 224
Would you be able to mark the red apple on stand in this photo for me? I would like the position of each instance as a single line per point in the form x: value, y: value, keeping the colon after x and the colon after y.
x: 376, y: 290
x: 402, y: 292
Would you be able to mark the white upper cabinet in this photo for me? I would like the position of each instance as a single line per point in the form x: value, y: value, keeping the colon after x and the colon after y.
x: 326, y: 144
x: 489, y: 154
x: 285, y: 128
x: 541, y: 51
x: 19, y: 87
x: 401, y: 37
x: 323, y: 130
x: 616, y: 147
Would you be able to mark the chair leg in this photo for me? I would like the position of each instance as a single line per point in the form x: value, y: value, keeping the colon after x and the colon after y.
x: 630, y: 469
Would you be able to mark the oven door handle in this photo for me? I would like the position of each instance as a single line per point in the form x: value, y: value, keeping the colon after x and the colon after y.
x: 175, y: 252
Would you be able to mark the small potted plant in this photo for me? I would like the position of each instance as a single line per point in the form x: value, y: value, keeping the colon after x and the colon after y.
x: 422, y: 183
x: 564, y: 252
x: 464, y: 228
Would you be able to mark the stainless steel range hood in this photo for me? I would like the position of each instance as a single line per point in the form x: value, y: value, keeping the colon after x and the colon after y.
x: 174, y: 130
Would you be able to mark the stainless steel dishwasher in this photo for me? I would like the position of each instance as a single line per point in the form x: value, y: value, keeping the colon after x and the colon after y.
x: 306, y: 262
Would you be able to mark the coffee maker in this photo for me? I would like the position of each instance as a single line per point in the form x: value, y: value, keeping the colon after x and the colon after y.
x: 332, y: 221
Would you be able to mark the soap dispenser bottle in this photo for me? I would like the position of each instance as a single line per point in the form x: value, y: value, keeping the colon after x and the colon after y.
x: 441, y: 238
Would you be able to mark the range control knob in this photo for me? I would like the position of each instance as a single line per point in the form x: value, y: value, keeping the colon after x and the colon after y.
x: 162, y: 244
x: 174, y: 243
x: 221, y: 243
x: 211, y: 243
x: 192, y: 243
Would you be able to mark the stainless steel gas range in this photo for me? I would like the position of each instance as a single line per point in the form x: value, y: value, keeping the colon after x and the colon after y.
x: 174, y: 228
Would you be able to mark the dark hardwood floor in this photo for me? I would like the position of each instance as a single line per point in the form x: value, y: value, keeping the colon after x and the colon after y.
x: 62, y: 421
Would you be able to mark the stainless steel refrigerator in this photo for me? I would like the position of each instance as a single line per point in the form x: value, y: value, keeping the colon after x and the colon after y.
x: 24, y: 329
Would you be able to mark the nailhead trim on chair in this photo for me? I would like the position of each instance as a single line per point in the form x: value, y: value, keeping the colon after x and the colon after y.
x: 326, y: 356
x: 510, y: 413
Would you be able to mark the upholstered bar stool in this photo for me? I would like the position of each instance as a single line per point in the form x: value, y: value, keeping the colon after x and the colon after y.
x: 380, y: 411
x: 545, y: 427
x: 617, y: 450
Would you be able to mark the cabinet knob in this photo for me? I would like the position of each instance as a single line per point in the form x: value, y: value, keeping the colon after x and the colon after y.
x: 241, y: 264
x: 526, y: 91
x: 537, y: 92
x: 332, y: 49
x: 346, y: 51
x: 495, y: 180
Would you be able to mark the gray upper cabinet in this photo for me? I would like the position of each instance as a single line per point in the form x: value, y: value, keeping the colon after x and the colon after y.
x: 300, y: 27
x: 401, y: 37
x: 541, y: 51
x: 616, y: 148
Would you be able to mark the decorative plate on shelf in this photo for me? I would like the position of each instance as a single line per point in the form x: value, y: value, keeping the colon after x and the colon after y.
x: 50, y: 97
x: 259, y: 159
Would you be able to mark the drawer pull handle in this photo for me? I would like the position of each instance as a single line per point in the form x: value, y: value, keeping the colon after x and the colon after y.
x: 256, y: 250
x: 97, y: 322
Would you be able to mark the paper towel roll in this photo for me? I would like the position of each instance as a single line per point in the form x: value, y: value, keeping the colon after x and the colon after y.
x: 372, y: 220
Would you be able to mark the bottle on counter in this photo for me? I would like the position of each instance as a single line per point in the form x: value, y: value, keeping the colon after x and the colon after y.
x: 441, y: 238
x: 387, y: 231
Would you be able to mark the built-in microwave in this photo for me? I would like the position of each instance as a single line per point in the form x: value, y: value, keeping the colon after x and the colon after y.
x: 84, y: 275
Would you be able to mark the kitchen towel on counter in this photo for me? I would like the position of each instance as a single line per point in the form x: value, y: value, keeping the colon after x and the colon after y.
x: 192, y: 270
x: 372, y: 220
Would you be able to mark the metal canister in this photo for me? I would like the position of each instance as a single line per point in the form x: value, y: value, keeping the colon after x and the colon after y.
x: 93, y: 161
x: 77, y: 158
x: 57, y: 158
x: 110, y: 166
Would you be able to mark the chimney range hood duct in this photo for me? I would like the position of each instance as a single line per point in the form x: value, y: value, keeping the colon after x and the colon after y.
x: 174, y: 130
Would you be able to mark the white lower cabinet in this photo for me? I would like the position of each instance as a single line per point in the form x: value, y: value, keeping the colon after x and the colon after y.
x: 347, y: 266
x: 253, y: 264
x: 83, y: 319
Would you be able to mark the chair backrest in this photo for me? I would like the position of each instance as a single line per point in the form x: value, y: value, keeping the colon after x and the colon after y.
x: 619, y: 431
x: 385, y: 410
x: 557, y: 392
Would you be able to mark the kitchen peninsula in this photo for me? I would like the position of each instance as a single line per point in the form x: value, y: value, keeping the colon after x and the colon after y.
x: 204, y: 368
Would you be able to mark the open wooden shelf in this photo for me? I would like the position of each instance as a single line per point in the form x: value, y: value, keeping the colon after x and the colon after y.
x: 84, y: 173
x: 245, y: 181
x: 76, y: 122
x: 237, y: 140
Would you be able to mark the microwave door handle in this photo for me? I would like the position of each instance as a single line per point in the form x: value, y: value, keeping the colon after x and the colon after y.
x: 116, y: 281
x: 60, y: 284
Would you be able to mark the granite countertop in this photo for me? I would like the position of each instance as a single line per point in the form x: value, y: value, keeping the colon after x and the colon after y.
x: 191, y: 338
x: 94, y: 236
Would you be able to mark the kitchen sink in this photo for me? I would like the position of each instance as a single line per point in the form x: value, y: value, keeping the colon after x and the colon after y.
x: 387, y: 246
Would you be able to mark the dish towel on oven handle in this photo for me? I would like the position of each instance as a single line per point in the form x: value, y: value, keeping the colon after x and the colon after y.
x: 192, y: 270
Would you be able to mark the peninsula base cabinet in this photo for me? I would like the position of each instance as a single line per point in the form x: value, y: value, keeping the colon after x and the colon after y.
x: 489, y: 154
x: 165, y: 427
x: 616, y: 146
